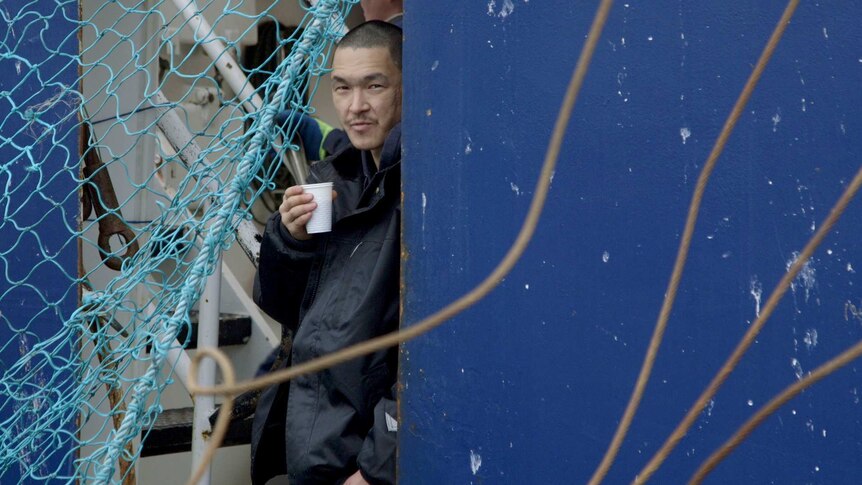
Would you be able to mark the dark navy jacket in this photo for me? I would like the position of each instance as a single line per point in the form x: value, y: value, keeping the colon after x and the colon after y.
x: 333, y: 291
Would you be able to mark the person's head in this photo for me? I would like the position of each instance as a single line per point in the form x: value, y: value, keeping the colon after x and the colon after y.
x: 381, y: 9
x: 366, y: 84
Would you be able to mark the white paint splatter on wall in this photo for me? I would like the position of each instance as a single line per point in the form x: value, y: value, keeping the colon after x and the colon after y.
x: 797, y: 368
x: 424, y: 205
x: 684, y: 133
x: 810, y: 338
x: 756, y: 289
x: 806, y: 277
x: 506, y: 10
x: 475, y: 462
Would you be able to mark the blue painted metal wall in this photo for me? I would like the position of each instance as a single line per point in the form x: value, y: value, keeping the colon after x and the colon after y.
x: 528, y: 386
x: 39, y: 156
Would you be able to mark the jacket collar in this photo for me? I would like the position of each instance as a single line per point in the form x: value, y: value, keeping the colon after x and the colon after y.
x: 345, y: 161
x: 362, y: 185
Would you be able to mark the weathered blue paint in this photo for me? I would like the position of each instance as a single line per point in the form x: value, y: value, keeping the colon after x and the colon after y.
x: 39, y: 156
x: 531, y: 382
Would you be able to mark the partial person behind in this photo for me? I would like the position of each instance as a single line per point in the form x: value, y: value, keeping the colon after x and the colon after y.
x: 391, y: 11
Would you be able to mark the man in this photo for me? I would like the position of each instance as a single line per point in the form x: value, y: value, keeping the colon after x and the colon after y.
x: 319, y: 138
x: 333, y: 290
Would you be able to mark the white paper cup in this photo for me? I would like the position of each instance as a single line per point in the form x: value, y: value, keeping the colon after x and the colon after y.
x: 321, y: 218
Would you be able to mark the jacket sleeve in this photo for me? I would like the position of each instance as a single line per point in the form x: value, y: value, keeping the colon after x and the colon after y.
x: 376, y: 459
x: 282, y: 273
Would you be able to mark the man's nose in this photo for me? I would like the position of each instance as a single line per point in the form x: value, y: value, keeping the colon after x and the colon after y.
x: 358, y: 103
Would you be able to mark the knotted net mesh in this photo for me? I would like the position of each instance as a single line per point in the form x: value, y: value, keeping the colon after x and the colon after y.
x: 123, y: 145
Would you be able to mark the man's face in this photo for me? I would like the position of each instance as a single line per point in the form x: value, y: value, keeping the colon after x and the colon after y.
x: 366, y: 91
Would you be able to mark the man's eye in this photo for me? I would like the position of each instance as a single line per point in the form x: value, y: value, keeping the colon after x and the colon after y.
x: 375, y: 86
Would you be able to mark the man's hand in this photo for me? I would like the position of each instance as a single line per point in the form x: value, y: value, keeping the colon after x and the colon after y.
x: 296, y: 208
x: 356, y: 479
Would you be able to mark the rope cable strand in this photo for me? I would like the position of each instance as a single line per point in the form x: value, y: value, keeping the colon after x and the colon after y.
x: 685, y: 244
x: 752, y: 332
x: 773, y: 405
x: 229, y: 390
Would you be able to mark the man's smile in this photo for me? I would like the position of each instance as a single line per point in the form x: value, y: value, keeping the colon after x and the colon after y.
x: 361, y: 125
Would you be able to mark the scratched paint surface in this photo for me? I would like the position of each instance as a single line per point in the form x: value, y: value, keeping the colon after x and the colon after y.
x: 528, y: 386
x: 38, y: 253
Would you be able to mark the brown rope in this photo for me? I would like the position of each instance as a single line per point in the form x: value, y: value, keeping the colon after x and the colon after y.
x: 755, y: 328
x: 685, y: 243
x: 229, y: 389
x: 751, y: 334
x: 118, y: 404
x: 115, y: 397
x: 779, y: 400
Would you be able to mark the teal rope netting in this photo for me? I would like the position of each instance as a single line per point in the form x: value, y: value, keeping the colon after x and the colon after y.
x: 81, y: 382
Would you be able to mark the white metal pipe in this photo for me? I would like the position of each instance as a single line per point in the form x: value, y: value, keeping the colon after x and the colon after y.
x: 177, y: 356
x: 208, y: 326
x: 257, y: 317
x: 229, y: 69
x: 188, y: 151
x: 179, y: 136
x: 181, y: 362
x: 217, y: 50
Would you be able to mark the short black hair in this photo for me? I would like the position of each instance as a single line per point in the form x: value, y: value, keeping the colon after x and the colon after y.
x: 375, y: 33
